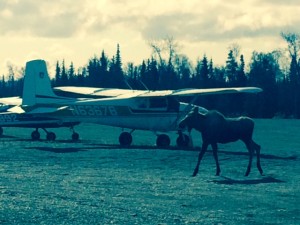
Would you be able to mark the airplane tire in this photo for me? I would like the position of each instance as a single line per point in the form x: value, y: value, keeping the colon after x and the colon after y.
x: 1, y: 131
x: 163, y: 141
x: 51, y: 136
x: 125, y: 139
x: 75, y: 136
x: 183, y: 140
x: 35, y: 135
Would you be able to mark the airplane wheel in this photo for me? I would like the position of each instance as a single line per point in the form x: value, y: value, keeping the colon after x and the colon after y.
x: 1, y: 131
x: 125, y: 139
x: 51, y: 136
x: 75, y: 136
x: 163, y: 141
x: 183, y: 140
x: 35, y: 135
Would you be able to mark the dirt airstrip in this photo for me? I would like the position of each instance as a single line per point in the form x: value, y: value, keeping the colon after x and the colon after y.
x: 95, y: 181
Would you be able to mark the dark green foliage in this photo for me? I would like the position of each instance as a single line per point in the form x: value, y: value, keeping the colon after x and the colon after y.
x: 281, y: 95
x: 263, y: 72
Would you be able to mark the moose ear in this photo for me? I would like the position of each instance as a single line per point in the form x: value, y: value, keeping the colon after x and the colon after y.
x: 202, y: 114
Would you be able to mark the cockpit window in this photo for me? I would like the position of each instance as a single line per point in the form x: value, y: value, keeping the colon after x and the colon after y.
x: 158, y: 102
x: 142, y: 103
x: 169, y: 104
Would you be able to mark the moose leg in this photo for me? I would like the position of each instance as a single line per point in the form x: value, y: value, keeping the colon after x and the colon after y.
x: 257, y: 149
x: 215, y: 152
x: 250, y: 150
x: 203, y: 150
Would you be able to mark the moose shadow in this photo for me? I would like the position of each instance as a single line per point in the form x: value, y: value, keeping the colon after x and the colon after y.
x: 263, y: 180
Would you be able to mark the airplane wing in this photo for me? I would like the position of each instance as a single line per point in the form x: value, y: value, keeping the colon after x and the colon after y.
x: 207, y: 91
x: 97, y: 92
x: 111, y: 92
x: 210, y: 91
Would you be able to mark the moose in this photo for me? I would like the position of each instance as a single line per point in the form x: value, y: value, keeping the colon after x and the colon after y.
x: 216, y: 128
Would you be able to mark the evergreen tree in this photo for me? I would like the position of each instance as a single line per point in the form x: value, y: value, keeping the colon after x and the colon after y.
x: 241, y: 76
x: 82, y: 77
x: 11, y: 81
x: 210, y: 69
x: 143, y: 72
x: 231, y: 69
x: 153, y: 75
x: 71, y: 74
x: 130, y: 74
x: 294, y: 77
x: 103, y: 76
x: 3, y: 87
x: 293, y: 41
x: 263, y: 71
x: 202, y: 73
x: 64, y: 75
x: 183, y: 70
x: 218, y: 77
x: 93, y: 69
x: 115, y: 71
x: 57, y: 75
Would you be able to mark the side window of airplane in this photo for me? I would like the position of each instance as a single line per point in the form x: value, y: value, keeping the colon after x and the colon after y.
x: 142, y: 103
x: 158, y: 103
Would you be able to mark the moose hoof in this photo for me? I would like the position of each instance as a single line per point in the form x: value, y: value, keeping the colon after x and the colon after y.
x: 195, y: 173
x: 261, y: 173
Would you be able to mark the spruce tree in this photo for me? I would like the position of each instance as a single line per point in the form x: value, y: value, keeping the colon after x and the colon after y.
x: 57, y: 74
x: 64, y: 75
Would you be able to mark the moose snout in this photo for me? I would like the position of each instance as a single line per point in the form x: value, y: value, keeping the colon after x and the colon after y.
x: 181, y: 126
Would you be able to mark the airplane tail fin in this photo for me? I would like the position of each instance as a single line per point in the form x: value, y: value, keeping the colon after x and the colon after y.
x: 37, y: 85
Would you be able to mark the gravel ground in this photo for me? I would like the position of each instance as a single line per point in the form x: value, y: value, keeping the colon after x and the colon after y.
x: 95, y: 181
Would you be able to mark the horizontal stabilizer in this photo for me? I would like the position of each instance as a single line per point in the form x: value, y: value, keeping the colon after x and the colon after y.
x: 16, y: 109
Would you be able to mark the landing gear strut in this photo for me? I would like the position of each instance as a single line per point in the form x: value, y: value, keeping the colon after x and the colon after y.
x: 163, y: 141
x: 125, y: 139
x: 35, y: 135
x: 75, y: 136
x: 51, y: 136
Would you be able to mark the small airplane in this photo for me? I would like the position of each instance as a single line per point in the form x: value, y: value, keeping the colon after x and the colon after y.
x: 156, y: 111
x: 13, y: 114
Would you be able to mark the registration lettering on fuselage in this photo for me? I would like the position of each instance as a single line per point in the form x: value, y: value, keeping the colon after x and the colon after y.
x: 94, y: 110
x: 7, y: 118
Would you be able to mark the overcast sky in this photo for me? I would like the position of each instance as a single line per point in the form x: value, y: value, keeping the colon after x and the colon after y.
x: 76, y: 30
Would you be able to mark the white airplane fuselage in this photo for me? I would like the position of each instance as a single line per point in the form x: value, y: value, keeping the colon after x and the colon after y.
x: 132, y: 113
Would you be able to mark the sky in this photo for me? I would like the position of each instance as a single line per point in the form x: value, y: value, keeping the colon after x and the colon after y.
x: 77, y: 30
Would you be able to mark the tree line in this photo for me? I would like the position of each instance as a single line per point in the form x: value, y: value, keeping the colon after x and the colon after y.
x: 277, y: 75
